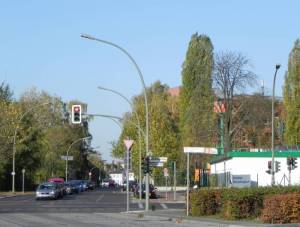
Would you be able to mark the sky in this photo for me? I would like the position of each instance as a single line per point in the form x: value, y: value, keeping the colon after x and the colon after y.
x: 40, y: 46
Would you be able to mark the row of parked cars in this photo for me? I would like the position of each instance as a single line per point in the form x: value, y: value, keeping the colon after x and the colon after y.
x: 56, y: 188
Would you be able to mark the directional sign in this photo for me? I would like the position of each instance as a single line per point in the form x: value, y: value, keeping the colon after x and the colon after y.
x: 69, y: 158
x: 158, y: 159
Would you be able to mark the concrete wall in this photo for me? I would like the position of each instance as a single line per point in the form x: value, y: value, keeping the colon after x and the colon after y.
x: 257, y: 167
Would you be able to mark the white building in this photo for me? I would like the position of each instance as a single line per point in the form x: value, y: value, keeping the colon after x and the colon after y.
x: 255, y: 164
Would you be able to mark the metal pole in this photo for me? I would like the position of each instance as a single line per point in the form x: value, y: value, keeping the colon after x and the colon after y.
x: 174, y: 181
x: 23, y: 180
x: 166, y: 187
x: 127, y: 178
x: 187, y: 184
x: 145, y: 97
x: 67, y: 158
x: 139, y: 134
x: 273, y: 153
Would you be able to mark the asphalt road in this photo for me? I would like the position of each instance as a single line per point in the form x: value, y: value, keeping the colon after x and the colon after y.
x: 95, y: 201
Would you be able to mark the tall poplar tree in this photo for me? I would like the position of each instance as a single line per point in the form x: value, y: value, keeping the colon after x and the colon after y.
x: 292, y: 97
x: 196, y: 95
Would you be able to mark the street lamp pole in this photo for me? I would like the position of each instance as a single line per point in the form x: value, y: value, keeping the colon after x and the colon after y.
x: 145, y: 97
x: 273, y: 153
x: 14, y: 143
x: 139, y: 134
x: 67, y: 158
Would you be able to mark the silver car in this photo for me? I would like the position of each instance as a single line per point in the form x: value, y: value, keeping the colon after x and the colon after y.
x: 47, y: 190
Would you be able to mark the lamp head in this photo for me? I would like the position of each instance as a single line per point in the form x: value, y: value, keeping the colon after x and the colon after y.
x: 277, y: 66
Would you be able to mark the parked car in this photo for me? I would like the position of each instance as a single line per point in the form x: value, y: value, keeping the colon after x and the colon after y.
x: 91, y: 185
x: 48, y: 190
x: 132, y: 185
x: 105, y: 183
x: 69, y: 188
x: 152, y: 191
x: 78, y: 185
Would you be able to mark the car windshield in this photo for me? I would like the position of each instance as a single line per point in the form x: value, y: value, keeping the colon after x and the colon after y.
x: 46, y: 186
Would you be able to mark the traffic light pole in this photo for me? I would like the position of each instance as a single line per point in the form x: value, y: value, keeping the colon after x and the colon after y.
x: 145, y: 97
x: 273, y: 152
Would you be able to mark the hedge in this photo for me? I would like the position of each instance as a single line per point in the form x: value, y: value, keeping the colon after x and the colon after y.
x: 233, y: 203
x: 281, y: 209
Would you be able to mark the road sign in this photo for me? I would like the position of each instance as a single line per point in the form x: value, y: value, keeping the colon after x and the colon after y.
x: 128, y: 143
x: 158, y: 159
x: 201, y: 150
x: 69, y: 158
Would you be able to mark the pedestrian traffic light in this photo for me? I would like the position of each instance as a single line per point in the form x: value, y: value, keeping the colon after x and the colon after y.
x: 277, y: 166
x: 76, y: 114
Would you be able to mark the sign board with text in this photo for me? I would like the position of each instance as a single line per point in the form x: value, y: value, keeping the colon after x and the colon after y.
x: 241, y: 181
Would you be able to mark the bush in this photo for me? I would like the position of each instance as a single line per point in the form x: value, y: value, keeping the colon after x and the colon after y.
x: 234, y: 203
x: 241, y: 203
x: 203, y: 202
x: 281, y: 208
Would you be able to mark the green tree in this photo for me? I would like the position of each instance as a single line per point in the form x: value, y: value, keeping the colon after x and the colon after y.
x: 196, y: 95
x: 291, y: 93
x: 164, y: 132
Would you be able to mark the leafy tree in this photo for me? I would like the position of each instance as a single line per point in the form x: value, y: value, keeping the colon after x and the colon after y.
x: 291, y: 93
x: 164, y: 133
x: 196, y: 95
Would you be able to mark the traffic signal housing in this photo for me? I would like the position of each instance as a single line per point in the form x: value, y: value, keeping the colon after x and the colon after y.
x: 277, y: 166
x: 76, y: 114
x: 269, y: 171
x: 294, y: 163
x: 146, y: 165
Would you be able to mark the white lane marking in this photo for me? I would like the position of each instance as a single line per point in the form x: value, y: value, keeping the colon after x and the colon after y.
x: 99, y: 198
x: 141, y: 206
x: 164, y: 206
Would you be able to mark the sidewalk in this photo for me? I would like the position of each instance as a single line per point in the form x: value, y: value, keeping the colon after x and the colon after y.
x: 179, y: 216
x: 10, y: 194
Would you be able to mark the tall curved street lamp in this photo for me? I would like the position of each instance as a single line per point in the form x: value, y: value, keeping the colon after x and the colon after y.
x: 139, y: 134
x: 273, y: 152
x: 67, y: 158
x: 14, y: 141
x: 145, y: 97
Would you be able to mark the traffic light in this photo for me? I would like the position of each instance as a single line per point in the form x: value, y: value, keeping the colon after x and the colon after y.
x: 146, y: 165
x: 294, y: 163
x: 269, y: 171
x: 277, y: 166
x: 76, y: 114
x: 289, y: 162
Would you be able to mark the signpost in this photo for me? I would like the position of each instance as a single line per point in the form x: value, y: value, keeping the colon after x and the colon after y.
x: 23, y: 180
x: 128, y: 144
x: 194, y: 150
x: 166, y: 175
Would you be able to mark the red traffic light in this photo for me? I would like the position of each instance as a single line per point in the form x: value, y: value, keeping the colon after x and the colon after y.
x: 76, y: 109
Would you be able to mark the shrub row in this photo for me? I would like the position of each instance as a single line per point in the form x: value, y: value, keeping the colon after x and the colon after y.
x: 246, y: 203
